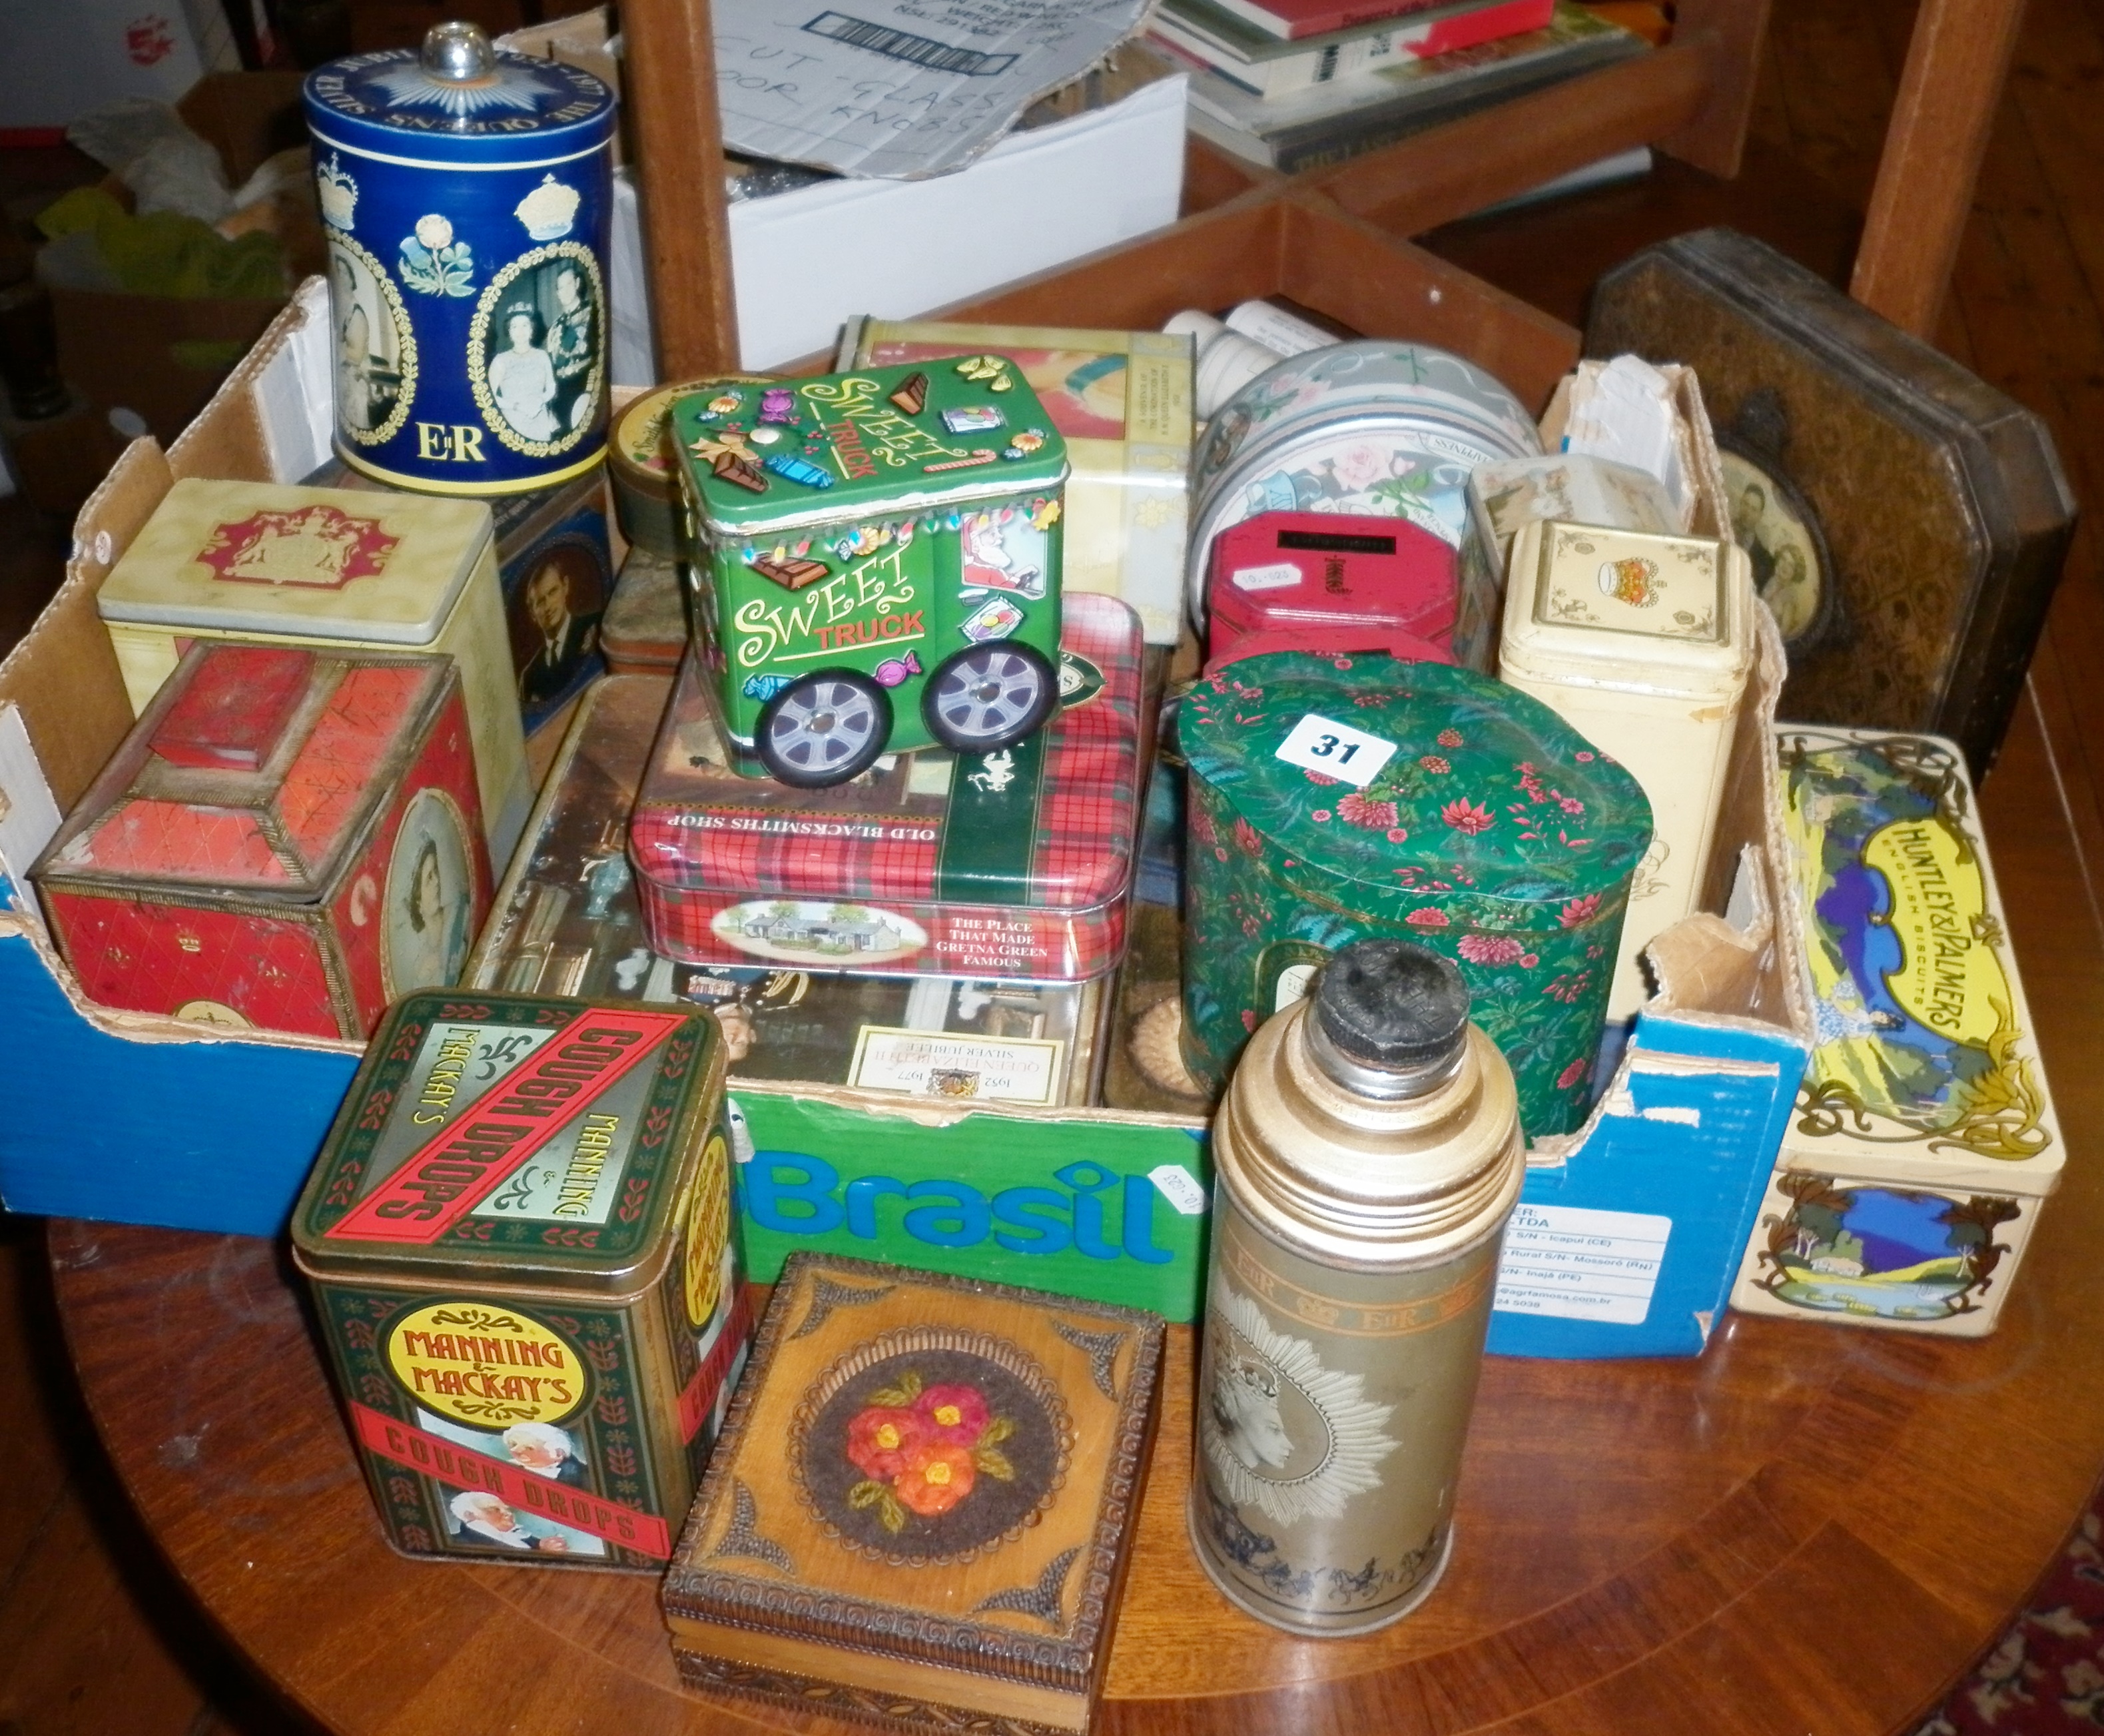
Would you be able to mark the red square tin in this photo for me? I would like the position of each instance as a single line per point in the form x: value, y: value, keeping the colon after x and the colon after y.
x: 1326, y: 573
x: 1015, y: 864
x: 288, y: 839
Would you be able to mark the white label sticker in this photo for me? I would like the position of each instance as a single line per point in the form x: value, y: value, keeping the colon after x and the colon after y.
x: 1573, y: 1263
x: 1293, y: 985
x: 1337, y: 749
x: 1276, y: 576
x: 934, y: 1064
x: 1178, y: 1188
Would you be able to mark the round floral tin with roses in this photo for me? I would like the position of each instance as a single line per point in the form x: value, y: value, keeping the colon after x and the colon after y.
x: 466, y: 192
x: 1374, y: 429
x: 1336, y: 798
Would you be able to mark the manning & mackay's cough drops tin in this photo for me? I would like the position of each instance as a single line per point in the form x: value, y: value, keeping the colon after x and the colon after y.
x: 519, y: 1239
x: 1335, y: 799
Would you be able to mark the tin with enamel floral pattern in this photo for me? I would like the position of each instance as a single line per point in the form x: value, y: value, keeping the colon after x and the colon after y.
x: 466, y: 191
x: 519, y: 1241
x: 1332, y: 799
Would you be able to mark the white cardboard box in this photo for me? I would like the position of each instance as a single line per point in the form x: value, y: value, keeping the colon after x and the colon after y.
x: 63, y: 59
x: 804, y: 262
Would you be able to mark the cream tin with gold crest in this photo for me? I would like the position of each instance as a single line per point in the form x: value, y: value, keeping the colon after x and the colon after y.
x: 1643, y: 644
x: 1924, y: 1141
x: 334, y: 568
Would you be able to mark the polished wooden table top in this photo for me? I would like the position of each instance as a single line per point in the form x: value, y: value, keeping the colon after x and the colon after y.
x: 1810, y: 1527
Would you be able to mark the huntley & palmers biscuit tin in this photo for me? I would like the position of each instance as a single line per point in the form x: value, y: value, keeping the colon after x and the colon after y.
x: 1924, y: 1141
x: 288, y: 840
x: 883, y: 552
x: 338, y: 567
x: 1013, y: 864
x: 466, y: 192
x: 519, y: 1238
x: 1333, y: 799
x: 924, y: 1505
x: 1642, y: 643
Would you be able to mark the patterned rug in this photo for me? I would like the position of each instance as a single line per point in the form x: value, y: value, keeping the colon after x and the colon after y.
x: 2047, y: 1675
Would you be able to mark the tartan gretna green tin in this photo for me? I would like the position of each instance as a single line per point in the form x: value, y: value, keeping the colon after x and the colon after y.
x: 1336, y: 798
x: 519, y: 1238
x: 883, y: 550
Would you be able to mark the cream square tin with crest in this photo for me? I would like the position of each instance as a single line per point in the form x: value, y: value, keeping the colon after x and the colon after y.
x: 333, y: 568
x: 1643, y: 643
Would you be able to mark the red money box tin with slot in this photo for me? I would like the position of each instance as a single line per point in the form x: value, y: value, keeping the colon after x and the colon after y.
x: 1318, y: 572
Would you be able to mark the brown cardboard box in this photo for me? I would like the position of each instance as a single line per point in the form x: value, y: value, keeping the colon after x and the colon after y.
x: 163, y: 356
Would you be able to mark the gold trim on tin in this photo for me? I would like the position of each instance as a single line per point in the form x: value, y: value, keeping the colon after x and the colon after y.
x: 478, y: 338
x: 1330, y: 1314
x: 405, y: 339
x: 429, y: 485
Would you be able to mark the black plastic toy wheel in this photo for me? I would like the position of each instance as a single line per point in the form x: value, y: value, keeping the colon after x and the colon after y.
x: 989, y: 696
x: 823, y: 729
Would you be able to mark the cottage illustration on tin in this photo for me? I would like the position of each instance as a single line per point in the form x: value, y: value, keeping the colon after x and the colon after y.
x: 797, y: 929
x: 1890, y: 1253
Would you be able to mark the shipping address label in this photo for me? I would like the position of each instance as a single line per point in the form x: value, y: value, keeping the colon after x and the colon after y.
x: 1573, y: 1263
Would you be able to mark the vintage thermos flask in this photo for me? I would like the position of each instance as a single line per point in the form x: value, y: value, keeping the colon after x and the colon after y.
x: 1368, y: 1154
x: 466, y: 192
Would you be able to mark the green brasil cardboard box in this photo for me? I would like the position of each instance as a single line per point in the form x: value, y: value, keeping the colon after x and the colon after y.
x: 891, y: 526
x: 1097, y: 1203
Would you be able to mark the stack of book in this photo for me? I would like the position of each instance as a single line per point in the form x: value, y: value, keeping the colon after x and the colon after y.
x: 1295, y: 84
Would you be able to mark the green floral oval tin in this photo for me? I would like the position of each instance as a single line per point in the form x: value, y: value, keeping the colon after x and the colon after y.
x: 1335, y: 798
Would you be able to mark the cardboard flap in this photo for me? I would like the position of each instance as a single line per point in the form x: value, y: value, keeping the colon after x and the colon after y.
x: 1705, y: 965
x: 63, y: 674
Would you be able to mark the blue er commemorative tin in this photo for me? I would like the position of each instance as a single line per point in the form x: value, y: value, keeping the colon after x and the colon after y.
x: 466, y: 191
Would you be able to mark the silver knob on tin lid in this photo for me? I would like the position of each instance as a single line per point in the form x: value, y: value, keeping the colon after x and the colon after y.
x: 1389, y: 1019
x: 459, y: 52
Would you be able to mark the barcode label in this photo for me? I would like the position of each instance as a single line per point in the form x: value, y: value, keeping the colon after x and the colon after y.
x: 902, y: 45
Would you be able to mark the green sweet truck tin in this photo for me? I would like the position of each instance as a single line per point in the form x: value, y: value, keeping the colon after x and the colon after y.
x: 1336, y: 798
x: 883, y: 550
x: 518, y: 1238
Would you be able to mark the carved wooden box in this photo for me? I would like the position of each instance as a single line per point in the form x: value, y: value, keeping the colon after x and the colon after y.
x: 923, y: 1504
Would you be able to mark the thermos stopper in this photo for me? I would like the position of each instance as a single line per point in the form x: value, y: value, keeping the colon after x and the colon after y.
x: 1389, y: 1018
